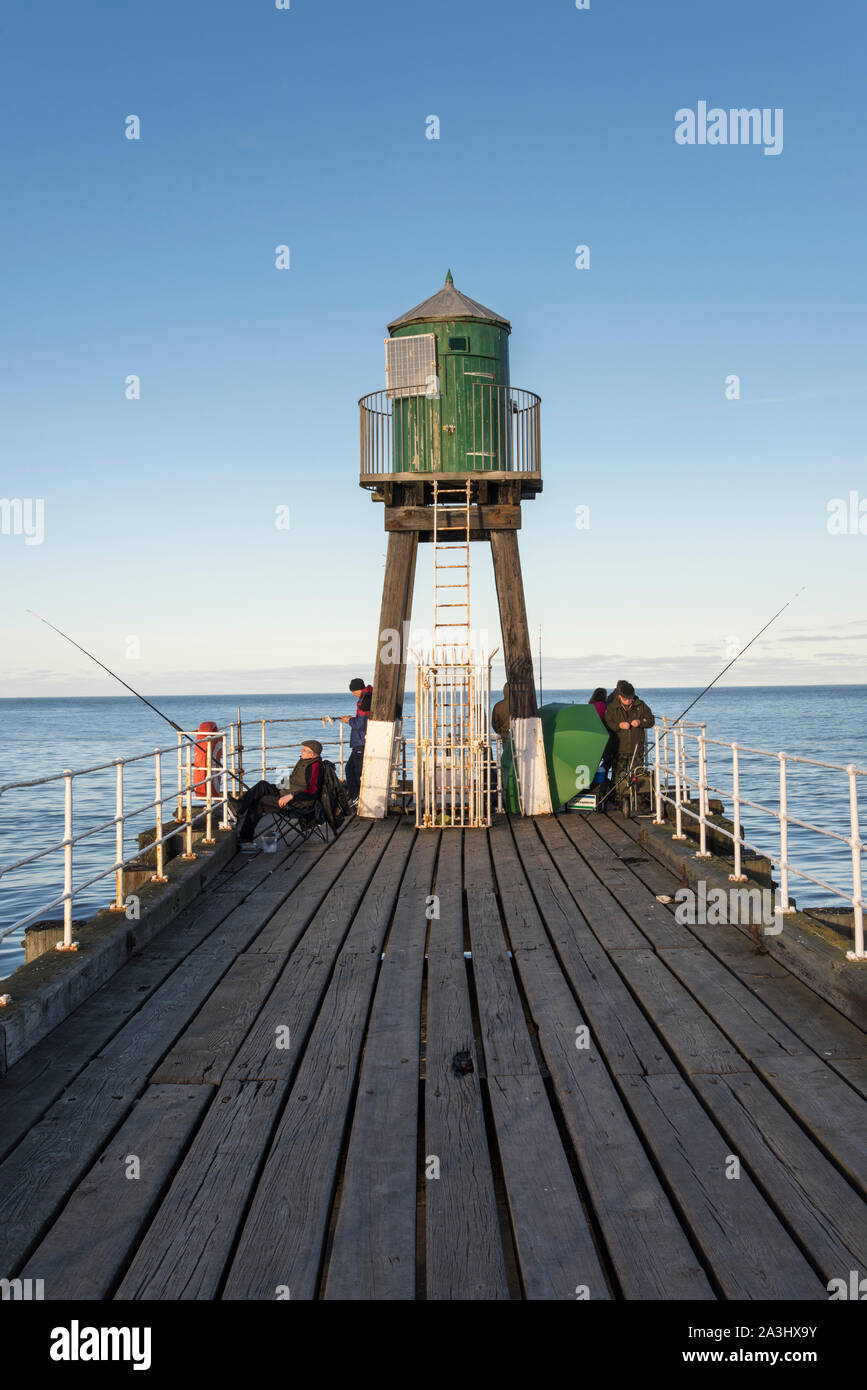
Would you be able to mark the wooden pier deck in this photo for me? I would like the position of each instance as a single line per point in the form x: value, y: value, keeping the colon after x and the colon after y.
x: 265, y: 1103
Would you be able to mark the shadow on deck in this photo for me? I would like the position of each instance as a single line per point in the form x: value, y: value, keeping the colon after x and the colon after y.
x: 266, y: 1102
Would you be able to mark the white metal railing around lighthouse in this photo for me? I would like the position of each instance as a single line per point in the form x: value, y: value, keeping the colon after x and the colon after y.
x: 685, y: 761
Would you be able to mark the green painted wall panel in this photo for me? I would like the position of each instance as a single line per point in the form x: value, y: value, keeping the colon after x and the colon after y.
x: 468, y: 428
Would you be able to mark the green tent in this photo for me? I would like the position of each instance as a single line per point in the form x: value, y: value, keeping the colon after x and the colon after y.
x: 575, y: 740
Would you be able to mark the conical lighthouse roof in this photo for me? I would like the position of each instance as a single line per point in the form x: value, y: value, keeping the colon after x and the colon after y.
x: 449, y: 303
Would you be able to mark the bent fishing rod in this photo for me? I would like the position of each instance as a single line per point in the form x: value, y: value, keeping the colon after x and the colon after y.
x: 626, y: 777
x: 127, y: 686
x: 731, y: 663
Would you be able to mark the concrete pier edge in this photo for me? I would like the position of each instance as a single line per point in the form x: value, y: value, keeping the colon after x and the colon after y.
x: 813, y: 953
x: 47, y: 990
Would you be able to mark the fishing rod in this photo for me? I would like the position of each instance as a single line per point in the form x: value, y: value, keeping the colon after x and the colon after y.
x: 124, y: 683
x: 740, y: 653
x: 113, y: 674
x: 627, y: 776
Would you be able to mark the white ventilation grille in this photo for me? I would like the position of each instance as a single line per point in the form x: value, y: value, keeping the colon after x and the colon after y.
x: 411, y: 365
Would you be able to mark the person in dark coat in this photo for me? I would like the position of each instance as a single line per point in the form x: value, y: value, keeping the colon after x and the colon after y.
x: 358, y: 724
x: 500, y: 718
x: 264, y: 798
x: 599, y: 701
x: 627, y: 717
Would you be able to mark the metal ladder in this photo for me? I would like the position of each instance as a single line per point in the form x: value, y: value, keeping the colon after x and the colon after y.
x: 451, y: 633
x: 452, y: 714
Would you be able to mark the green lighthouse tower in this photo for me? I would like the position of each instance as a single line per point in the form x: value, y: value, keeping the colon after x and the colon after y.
x: 452, y: 449
x: 464, y: 349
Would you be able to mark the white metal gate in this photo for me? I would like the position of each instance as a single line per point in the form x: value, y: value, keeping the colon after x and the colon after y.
x: 453, y: 776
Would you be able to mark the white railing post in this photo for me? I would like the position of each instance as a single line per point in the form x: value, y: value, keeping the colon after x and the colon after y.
x: 738, y: 876
x: 67, y: 944
x: 340, y: 727
x: 224, y: 818
x: 785, y: 905
x: 188, y: 853
x: 178, y: 816
x: 678, y: 788
x: 657, y: 787
x: 118, y: 836
x: 209, y: 762
x: 264, y: 755
x: 702, y: 852
x: 855, y: 844
x: 159, y: 876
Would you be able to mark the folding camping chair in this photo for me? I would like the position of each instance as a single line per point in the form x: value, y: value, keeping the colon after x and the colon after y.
x: 326, y: 809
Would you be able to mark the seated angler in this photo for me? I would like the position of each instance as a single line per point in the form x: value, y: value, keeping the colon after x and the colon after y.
x: 265, y: 798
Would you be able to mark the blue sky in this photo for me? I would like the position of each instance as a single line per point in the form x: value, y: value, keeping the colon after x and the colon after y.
x: 306, y: 127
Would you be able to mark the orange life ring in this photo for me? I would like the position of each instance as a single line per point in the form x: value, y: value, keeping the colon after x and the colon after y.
x: 200, y: 761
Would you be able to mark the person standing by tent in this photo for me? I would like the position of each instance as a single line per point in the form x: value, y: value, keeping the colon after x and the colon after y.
x: 599, y: 701
x: 627, y: 717
x: 500, y: 719
x: 358, y: 724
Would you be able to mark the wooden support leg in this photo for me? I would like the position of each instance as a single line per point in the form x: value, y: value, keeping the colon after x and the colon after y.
x: 389, y: 677
x: 527, y: 741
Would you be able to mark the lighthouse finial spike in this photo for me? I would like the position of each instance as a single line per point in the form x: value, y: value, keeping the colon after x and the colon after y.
x: 449, y: 280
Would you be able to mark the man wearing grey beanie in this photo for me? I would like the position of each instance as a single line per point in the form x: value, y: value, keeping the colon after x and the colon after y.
x: 264, y: 798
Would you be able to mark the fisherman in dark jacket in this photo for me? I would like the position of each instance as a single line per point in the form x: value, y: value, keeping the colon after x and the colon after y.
x: 500, y: 719
x: 358, y: 724
x: 265, y: 798
x: 627, y: 717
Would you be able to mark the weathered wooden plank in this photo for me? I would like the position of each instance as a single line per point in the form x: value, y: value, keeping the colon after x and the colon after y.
x: 651, y: 1256
x: 612, y: 926
x: 631, y: 1044
x: 85, y: 1251
x: 36, y: 1082
x: 735, y: 1009
x: 687, y: 1031
x: 374, y: 1246
x: 556, y: 1252
x: 204, y: 1050
x: 853, y: 1070
x: 488, y: 517
x: 186, y: 1251
x: 292, y: 919
x: 292, y: 1004
x: 826, y: 1105
x: 813, y: 1199
x: 58, y: 1150
x: 652, y: 918
x: 555, y: 1247
x: 749, y: 1252
x: 463, y: 1251
x: 659, y: 878
x: 828, y: 1032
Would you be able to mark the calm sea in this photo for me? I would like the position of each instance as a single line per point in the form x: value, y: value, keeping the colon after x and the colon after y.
x: 45, y: 736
